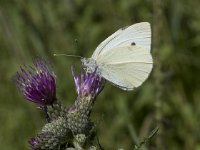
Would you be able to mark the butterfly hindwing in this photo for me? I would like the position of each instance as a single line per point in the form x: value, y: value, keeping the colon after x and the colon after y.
x: 128, y: 67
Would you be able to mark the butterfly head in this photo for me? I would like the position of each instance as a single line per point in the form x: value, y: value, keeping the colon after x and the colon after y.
x: 90, y: 65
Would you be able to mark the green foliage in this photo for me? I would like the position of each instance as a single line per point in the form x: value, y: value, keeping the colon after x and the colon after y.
x: 42, y: 28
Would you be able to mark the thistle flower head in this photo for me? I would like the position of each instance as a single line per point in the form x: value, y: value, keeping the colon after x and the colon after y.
x: 37, y: 83
x: 88, y: 84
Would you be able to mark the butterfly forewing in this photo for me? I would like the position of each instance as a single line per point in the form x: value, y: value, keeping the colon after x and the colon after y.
x: 138, y: 34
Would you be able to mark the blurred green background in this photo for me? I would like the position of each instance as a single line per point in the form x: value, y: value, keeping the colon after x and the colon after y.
x: 170, y: 98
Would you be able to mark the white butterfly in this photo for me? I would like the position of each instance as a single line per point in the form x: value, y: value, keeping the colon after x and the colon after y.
x: 124, y: 57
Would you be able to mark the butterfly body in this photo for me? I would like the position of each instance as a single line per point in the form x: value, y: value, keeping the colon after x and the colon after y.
x: 124, y: 58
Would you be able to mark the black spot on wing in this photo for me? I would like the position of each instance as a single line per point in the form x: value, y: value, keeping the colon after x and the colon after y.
x: 133, y: 43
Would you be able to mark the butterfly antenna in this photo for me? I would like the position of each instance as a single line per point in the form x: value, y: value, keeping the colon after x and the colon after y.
x: 68, y: 55
x: 77, y: 56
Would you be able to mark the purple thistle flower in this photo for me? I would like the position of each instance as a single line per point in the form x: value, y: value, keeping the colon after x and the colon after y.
x: 38, y: 83
x: 88, y: 84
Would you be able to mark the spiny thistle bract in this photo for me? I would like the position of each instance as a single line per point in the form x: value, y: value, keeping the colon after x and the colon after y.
x: 66, y: 127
